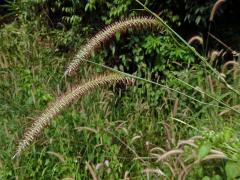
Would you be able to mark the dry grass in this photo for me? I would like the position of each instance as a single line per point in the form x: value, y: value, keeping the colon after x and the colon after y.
x: 179, y: 161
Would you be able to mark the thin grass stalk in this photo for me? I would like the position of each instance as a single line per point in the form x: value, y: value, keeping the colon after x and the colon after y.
x: 128, y: 147
x: 212, y: 97
x: 181, y: 121
x: 166, y: 87
x: 203, y: 59
x: 210, y: 81
x: 207, y: 40
x: 41, y: 122
x: 152, y: 82
x: 222, y: 43
x: 174, y: 111
x: 229, y: 110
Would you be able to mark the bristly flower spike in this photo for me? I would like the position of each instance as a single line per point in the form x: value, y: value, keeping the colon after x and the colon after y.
x: 107, y: 33
x: 41, y: 122
x: 215, y: 8
x: 196, y: 39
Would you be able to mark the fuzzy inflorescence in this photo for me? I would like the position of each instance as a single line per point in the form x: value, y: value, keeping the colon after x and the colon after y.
x: 196, y: 39
x: 215, y: 8
x: 65, y: 100
x: 107, y: 33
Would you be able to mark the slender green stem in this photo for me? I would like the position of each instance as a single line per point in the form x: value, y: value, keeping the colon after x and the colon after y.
x: 152, y: 82
x: 209, y: 30
x: 183, y: 122
x: 219, y: 76
x: 212, y: 97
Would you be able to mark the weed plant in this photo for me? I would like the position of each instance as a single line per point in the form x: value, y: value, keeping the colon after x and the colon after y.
x: 175, y: 122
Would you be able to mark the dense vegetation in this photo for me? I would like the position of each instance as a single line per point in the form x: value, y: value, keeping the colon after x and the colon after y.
x: 178, y: 120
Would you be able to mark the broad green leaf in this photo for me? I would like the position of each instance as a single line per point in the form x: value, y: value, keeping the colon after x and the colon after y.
x: 203, y: 151
x: 117, y: 35
x: 206, y: 178
x: 232, y: 170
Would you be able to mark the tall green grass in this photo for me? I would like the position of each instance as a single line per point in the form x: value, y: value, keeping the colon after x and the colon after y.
x: 139, y: 132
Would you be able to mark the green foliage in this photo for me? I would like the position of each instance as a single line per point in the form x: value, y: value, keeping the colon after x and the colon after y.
x: 164, y: 52
x: 203, y: 151
x: 115, y: 130
x: 198, y: 13
x: 232, y: 170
